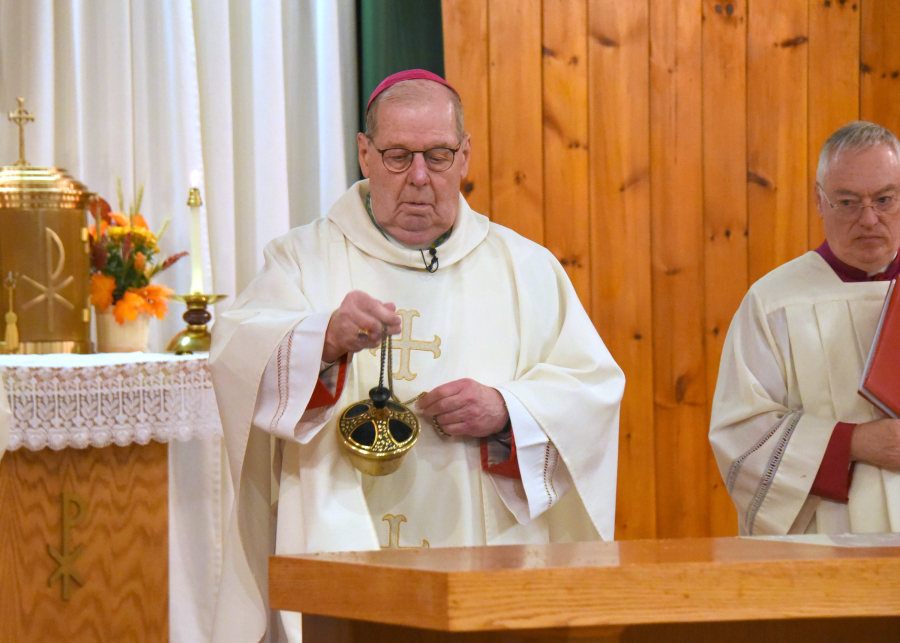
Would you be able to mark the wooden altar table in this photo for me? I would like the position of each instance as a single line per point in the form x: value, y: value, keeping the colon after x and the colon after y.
x: 716, y: 589
x: 85, y: 494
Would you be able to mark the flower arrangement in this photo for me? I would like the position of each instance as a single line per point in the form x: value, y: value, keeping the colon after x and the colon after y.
x: 123, y: 250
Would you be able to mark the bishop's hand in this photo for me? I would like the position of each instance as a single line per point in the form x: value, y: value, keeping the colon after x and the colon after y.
x: 359, y: 323
x: 465, y: 407
x: 877, y: 442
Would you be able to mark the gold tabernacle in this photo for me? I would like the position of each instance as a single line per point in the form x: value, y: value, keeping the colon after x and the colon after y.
x: 44, y: 256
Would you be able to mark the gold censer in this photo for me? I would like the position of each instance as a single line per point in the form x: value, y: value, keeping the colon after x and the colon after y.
x: 376, y: 433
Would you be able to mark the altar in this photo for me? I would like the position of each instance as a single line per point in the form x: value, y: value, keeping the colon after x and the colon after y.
x: 111, y: 498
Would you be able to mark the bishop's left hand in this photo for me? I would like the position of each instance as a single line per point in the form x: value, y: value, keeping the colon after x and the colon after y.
x: 465, y: 407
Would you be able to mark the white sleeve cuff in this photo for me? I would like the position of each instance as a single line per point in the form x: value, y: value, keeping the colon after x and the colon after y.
x: 545, y: 478
x: 290, y: 377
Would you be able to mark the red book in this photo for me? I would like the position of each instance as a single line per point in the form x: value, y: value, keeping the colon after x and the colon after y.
x: 881, y: 379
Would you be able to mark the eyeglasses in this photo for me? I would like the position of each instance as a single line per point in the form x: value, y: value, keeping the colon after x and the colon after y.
x: 437, y: 159
x: 851, y: 207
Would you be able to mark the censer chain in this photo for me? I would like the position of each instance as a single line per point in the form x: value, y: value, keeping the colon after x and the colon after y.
x: 386, y: 347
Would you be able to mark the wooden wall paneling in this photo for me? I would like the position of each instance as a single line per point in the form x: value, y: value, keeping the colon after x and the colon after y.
x: 466, y: 67
x: 749, y: 95
x: 621, y: 303
x: 676, y: 173
x: 516, y: 115
x: 724, y: 204
x: 880, y: 82
x: 777, y: 73
x: 566, y: 185
x: 834, y: 41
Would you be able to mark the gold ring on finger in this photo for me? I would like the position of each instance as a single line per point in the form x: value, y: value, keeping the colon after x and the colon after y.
x: 437, y: 427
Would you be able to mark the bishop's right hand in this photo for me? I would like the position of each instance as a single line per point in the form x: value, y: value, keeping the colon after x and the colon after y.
x: 359, y: 323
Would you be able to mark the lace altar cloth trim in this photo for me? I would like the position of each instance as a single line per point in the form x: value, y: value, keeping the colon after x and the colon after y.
x: 80, y: 401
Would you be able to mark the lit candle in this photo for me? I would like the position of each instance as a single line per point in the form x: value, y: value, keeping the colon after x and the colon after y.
x: 194, y: 201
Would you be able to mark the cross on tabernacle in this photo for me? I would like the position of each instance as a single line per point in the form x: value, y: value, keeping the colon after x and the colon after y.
x: 20, y: 117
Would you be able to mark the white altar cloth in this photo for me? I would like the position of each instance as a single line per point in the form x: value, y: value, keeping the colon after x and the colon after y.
x: 79, y: 401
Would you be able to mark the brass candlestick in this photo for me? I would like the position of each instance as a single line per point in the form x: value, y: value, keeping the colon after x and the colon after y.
x: 195, y: 338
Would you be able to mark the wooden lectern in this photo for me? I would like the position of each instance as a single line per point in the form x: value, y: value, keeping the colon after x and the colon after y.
x: 699, y: 590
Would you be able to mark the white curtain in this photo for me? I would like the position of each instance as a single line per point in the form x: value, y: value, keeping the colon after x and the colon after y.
x: 257, y: 95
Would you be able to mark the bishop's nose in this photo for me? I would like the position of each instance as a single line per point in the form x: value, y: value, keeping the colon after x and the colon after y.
x: 418, y: 171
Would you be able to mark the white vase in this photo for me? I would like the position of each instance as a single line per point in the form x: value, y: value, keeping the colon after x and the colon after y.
x: 113, y: 337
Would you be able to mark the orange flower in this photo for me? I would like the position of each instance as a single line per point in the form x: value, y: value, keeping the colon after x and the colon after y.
x: 92, y: 230
x: 102, y: 288
x: 119, y: 219
x: 129, y: 306
x: 140, y: 261
x: 156, y: 299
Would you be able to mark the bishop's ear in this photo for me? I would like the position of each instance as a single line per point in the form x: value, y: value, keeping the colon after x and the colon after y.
x: 365, y: 153
x: 817, y: 193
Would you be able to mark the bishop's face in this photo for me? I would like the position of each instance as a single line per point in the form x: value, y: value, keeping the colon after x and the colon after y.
x: 417, y: 205
x: 867, y: 239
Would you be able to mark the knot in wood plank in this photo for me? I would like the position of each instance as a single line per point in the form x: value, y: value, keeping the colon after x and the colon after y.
x: 793, y: 42
x: 603, y: 40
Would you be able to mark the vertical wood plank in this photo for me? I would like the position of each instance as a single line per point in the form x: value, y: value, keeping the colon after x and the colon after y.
x: 515, y: 116
x: 678, y: 299
x: 566, y: 185
x: 777, y: 89
x: 834, y: 41
x: 880, y: 83
x: 724, y: 203
x: 618, y: 51
x: 466, y: 67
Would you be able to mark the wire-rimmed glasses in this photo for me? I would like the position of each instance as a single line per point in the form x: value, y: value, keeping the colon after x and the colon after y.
x: 437, y: 159
x: 850, y: 207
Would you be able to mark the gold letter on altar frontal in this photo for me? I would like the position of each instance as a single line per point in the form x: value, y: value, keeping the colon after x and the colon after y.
x: 74, y: 511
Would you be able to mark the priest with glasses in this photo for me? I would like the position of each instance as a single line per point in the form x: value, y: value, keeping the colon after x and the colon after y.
x: 799, y: 449
x: 516, y: 394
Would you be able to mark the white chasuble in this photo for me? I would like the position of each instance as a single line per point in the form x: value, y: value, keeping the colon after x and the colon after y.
x: 500, y: 310
x: 790, y: 371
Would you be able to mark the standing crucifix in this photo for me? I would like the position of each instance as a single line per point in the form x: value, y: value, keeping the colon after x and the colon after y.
x: 20, y: 117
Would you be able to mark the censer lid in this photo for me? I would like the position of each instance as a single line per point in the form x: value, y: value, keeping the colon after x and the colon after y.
x: 27, y: 187
x: 376, y: 434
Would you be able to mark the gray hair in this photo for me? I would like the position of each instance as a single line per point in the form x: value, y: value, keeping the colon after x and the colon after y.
x: 857, y: 135
x: 410, y: 91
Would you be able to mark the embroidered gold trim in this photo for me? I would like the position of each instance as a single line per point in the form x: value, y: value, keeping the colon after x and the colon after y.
x: 406, y: 345
x: 394, y: 533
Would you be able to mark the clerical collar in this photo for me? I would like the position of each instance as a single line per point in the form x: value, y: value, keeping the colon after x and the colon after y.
x: 431, y: 266
x: 849, y: 274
